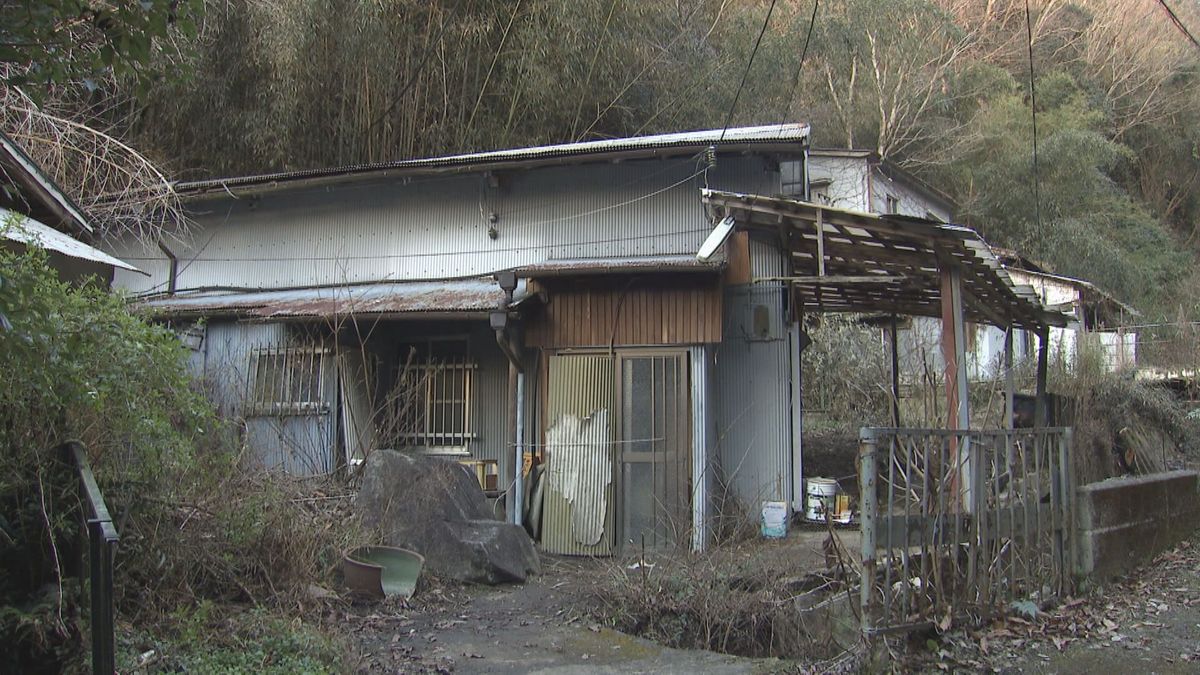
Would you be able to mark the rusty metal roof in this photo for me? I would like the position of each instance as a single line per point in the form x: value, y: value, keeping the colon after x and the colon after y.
x: 456, y: 298
x: 598, y: 266
x: 850, y: 261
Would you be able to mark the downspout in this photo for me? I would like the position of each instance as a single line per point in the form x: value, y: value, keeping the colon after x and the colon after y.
x: 501, y: 321
x: 173, y: 271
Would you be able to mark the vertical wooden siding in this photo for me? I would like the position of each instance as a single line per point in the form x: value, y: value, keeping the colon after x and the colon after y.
x: 645, y: 311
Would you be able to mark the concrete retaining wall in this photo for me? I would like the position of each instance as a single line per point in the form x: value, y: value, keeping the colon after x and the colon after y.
x: 1124, y: 522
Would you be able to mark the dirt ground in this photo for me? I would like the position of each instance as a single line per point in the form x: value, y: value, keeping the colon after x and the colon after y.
x: 1147, y: 622
x: 543, y: 626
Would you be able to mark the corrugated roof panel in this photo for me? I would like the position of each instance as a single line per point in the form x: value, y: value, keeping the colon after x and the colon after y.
x: 729, y: 139
x: 442, y: 297
x: 26, y: 230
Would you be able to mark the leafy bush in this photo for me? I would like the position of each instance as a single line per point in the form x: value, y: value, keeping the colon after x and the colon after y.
x: 194, y: 523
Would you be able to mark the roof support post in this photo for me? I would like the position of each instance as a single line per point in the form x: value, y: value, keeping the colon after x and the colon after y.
x: 1039, y: 414
x: 894, y: 330
x: 954, y: 358
x: 954, y: 349
x: 1010, y: 379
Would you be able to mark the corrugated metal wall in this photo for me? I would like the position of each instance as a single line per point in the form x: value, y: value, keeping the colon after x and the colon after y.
x: 579, y: 387
x: 753, y: 401
x: 228, y: 348
x: 303, y: 443
x: 766, y: 260
x: 437, y: 227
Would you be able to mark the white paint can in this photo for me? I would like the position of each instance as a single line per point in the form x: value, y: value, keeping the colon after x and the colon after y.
x: 821, y: 496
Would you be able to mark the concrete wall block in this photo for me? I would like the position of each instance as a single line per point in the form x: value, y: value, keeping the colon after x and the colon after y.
x: 1124, y: 522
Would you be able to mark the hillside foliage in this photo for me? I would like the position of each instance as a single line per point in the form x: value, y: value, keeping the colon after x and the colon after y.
x: 941, y: 87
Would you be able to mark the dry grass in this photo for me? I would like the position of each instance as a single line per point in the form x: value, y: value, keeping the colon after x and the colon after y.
x: 736, y: 599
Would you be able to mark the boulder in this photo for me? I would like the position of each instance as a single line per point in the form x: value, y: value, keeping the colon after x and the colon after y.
x: 436, y: 508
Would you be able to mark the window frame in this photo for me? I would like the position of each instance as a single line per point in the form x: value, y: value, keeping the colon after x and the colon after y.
x: 432, y: 441
x: 285, y: 361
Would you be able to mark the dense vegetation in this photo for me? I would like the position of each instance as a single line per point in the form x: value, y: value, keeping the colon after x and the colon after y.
x: 939, y: 86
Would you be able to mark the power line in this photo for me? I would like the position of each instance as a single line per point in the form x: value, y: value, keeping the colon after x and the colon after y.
x: 1037, y: 201
x: 1179, y: 24
x: 812, y: 21
x: 746, y: 73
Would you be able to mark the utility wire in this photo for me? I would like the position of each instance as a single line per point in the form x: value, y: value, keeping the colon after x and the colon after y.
x: 812, y: 21
x: 1037, y: 201
x: 1179, y: 24
x: 753, y: 53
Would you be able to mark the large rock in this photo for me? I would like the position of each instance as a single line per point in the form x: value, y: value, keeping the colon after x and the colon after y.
x: 436, y: 508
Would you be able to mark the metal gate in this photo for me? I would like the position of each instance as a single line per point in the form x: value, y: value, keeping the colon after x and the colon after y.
x: 960, y: 524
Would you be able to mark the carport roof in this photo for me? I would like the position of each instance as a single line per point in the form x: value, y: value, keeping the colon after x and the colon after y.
x: 849, y: 261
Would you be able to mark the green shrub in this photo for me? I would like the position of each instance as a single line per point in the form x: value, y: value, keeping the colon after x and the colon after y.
x: 195, y: 523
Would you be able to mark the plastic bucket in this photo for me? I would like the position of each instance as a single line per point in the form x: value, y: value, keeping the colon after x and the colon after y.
x: 774, y: 520
x: 820, y: 495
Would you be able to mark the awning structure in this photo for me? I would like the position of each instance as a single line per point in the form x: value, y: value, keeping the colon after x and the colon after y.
x: 449, y: 299
x: 28, y: 231
x: 849, y: 261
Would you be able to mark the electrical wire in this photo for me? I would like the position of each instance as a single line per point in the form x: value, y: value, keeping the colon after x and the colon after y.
x: 1179, y: 24
x: 1037, y: 201
x: 812, y: 21
x: 746, y: 73
x: 511, y: 249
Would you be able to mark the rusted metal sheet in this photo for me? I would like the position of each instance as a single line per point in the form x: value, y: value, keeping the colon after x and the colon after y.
x: 579, y: 499
x: 634, y: 311
x: 598, y: 266
x: 457, y: 296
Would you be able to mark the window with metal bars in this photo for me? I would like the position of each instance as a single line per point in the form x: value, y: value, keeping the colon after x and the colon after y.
x: 287, y: 380
x: 434, y: 381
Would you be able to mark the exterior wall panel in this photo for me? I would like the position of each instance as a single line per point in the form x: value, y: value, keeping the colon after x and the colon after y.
x: 438, y: 227
x: 645, y: 311
x: 753, y: 403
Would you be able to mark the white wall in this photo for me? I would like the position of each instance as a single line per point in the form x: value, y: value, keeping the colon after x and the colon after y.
x: 911, y: 201
x: 847, y: 178
x: 437, y: 227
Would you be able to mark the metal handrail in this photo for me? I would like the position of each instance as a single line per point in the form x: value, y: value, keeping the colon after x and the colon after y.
x: 102, y: 539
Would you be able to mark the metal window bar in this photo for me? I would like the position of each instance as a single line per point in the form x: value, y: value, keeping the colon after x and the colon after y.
x: 287, y: 379
x: 102, y: 539
x: 986, y: 514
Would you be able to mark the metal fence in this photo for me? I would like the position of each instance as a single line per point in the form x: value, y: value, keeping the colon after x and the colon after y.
x: 102, y: 540
x: 960, y: 524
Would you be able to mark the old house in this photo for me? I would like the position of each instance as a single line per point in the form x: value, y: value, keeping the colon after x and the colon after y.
x: 612, y: 313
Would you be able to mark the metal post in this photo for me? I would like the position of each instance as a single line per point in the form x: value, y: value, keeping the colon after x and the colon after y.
x: 895, y: 373
x: 867, y: 447
x: 797, y: 417
x: 519, y: 452
x: 1010, y: 379
x: 103, y: 638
